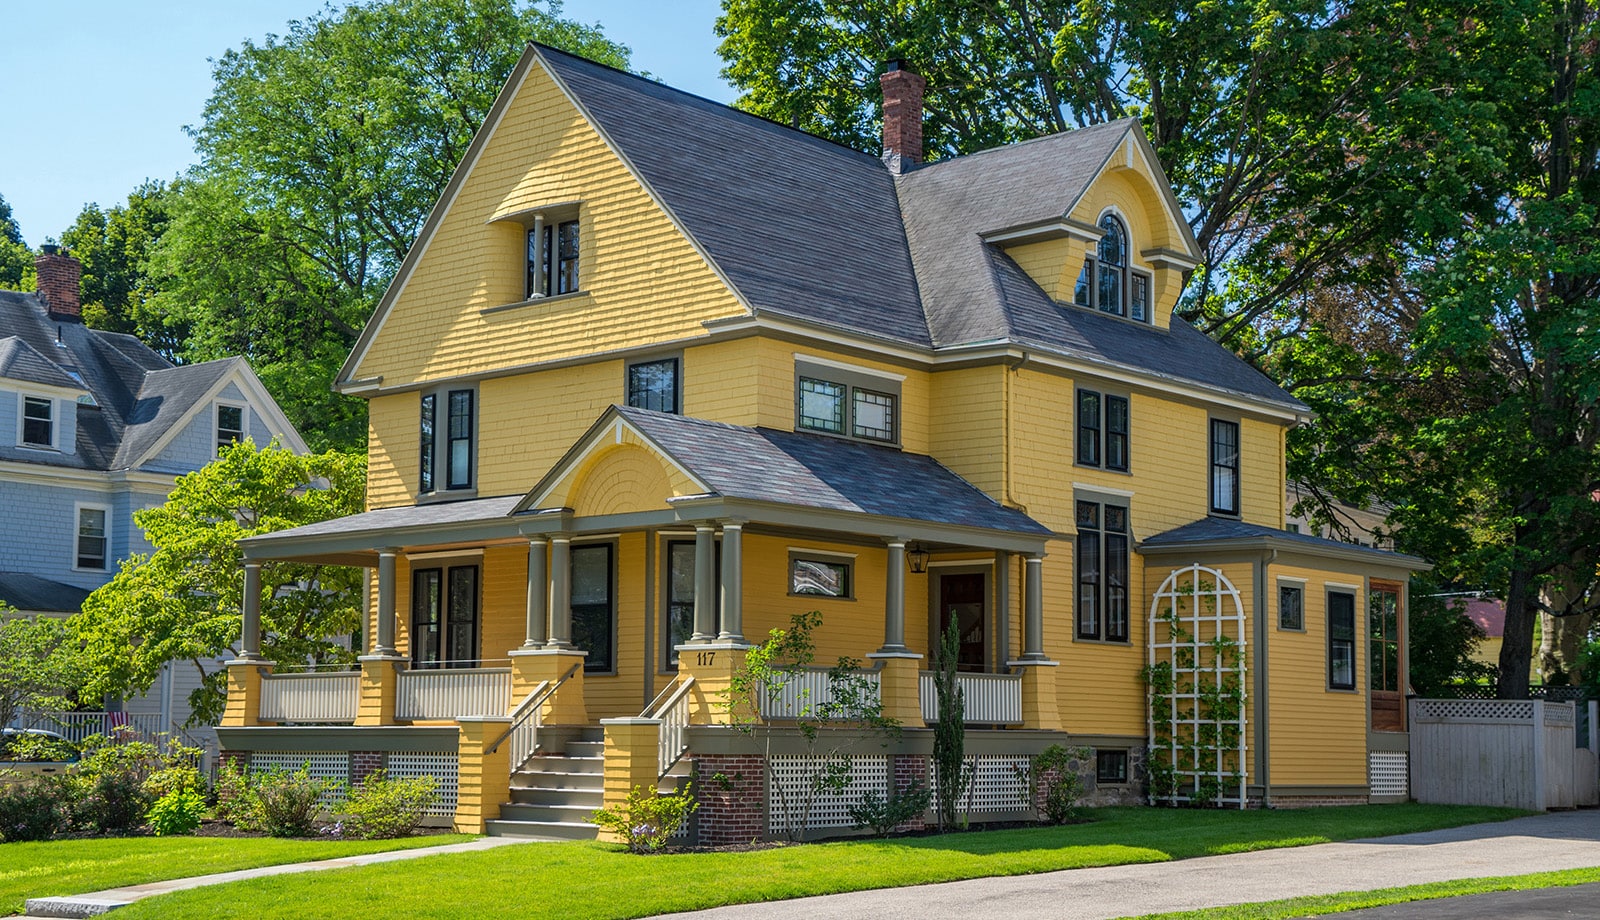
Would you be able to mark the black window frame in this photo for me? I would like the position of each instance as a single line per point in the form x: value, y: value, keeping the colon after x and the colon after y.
x: 1100, y: 562
x: 671, y: 604
x: 48, y: 420
x: 1101, y: 266
x: 1110, y: 767
x: 1346, y: 641
x: 1297, y: 590
x: 600, y: 660
x: 638, y: 399
x: 847, y: 577
x: 440, y: 429
x: 466, y: 436
x: 1222, y: 469
x: 104, y: 537
x: 440, y: 621
x: 1089, y: 428
x: 851, y: 387
x: 1103, y: 424
x: 427, y: 435
x: 552, y: 261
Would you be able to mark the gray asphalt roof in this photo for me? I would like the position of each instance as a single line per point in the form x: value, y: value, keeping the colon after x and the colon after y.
x: 434, y: 514
x: 30, y: 592
x: 137, y: 394
x: 806, y: 228
x: 1221, y: 530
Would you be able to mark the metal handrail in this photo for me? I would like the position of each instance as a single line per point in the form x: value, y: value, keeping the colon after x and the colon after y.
x: 530, y: 706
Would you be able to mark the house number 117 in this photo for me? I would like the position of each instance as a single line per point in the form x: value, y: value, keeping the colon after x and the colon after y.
x: 704, y: 659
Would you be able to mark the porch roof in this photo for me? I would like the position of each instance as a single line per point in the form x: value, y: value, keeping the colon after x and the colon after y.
x: 1211, y: 533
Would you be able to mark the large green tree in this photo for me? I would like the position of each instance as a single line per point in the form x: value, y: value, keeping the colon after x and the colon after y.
x: 181, y: 602
x: 16, y: 262
x: 39, y: 668
x: 321, y: 151
x: 114, y: 246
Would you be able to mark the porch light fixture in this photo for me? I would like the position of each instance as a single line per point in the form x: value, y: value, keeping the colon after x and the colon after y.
x: 917, y: 558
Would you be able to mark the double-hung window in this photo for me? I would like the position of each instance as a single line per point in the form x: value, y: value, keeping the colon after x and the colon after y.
x: 447, y: 449
x: 594, y: 606
x: 230, y: 425
x: 1109, y: 282
x: 552, y: 258
x: 1102, y: 430
x: 841, y: 401
x: 1102, y: 566
x: 444, y: 617
x: 92, y: 538
x: 1383, y: 619
x: 1224, y: 467
x: 1341, y: 640
x: 38, y: 421
x: 654, y: 385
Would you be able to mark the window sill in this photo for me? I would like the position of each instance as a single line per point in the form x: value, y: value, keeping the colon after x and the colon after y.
x: 534, y: 301
x: 453, y: 495
x: 41, y: 448
x: 1116, y: 643
x: 823, y: 597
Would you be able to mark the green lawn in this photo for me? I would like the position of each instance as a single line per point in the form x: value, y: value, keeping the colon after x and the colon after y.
x: 1321, y: 905
x: 577, y: 880
x: 63, y: 867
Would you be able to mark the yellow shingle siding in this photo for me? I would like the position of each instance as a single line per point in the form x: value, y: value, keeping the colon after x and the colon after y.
x: 1134, y: 196
x: 641, y: 280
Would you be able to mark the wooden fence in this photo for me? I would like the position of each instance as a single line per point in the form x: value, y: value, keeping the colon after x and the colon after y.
x: 1517, y: 753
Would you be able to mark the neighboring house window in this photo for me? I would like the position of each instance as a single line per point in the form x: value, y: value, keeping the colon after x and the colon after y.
x: 856, y: 404
x: 654, y: 385
x: 594, y: 609
x: 1341, y: 640
x: 1224, y: 466
x: 553, y: 259
x: 1109, y: 282
x: 1102, y: 571
x: 1291, y: 607
x: 38, y: 421
x: 444, y: 617
x: 1103, y: 430
x: 447, y: 449
x: 820, y: 577
x: 1111, y: 766
x: 230, y: 425
x: 1383, y: 663
x: 92, y: 538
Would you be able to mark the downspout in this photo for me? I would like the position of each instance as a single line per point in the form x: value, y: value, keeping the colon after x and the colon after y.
x: 1263, y: 760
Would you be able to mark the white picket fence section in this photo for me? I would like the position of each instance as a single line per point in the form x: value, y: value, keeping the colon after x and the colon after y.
x: 807, y: 693
x: 1517, y: 753
x: 450, y: 694
x: 310, y: 697
x: 987, y: 699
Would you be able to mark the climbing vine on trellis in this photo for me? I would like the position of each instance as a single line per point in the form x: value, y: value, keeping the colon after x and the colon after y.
x: 1196, y: 680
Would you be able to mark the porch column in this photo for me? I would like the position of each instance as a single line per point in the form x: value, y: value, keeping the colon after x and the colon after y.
x: 732, y: 583
x: 1033, y: 609
x: 894, y: 598
x: 705, y: 584
x: 538, y: 593
x: 250, y: 637
x: 384, y: 646
x: 560, y: 592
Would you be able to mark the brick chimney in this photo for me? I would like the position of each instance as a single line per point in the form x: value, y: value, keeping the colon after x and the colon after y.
x: 59, y: 283
x: 902, y: 115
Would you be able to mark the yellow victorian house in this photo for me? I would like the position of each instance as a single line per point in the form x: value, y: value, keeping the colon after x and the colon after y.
x: 658, y: 375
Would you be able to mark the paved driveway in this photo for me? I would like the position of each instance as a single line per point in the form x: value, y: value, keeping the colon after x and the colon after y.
x: 1567, y: 840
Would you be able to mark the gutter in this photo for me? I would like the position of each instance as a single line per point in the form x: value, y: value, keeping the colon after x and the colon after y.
x: 1263, y: 712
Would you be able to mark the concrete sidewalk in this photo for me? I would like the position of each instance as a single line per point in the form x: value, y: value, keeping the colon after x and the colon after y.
x: 1567, y: 840
x: 96, y: 903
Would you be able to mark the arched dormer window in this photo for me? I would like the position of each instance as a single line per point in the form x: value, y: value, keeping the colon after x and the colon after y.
x: 1108, y: 282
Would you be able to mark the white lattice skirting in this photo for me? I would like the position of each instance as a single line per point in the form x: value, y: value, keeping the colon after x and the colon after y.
x: 999, y: 783
x: 441, y: 765
x: 319, y: 764
x: 1388, y: 773
x: 789, y: 778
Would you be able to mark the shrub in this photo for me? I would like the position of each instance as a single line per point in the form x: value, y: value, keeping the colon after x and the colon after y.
x: 287, y: 804
x: 233, y: 795
x: 1054, y: 785
x: 27, y: 747
x: 382, y: 808
x: 884, y: 815
x: 35, y: 809
x: 178, y: 812
x: 110, y: 786
x: 647, y: 818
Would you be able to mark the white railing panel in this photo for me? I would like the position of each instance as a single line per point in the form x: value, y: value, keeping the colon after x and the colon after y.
x: 807, y: 693
x: 674, y: 716
x: 310, y: 697
x: 987, y: 699
x: 77, y: 726
x: 450, y: 694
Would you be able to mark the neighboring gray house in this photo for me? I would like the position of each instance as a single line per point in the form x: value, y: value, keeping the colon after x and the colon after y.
x: 93, y: 427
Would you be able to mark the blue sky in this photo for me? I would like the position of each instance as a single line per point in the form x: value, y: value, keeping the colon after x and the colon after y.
x: 98, y: 91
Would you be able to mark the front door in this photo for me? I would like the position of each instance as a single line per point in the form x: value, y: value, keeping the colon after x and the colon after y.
x: 963, y: 597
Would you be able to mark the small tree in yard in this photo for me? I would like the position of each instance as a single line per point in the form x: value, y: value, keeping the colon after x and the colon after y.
x: 850, y: 699
x: 950, y: 732
x: 39, y: 668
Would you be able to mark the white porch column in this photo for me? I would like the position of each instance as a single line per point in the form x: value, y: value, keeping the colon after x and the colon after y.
x: 560, y: 592
x: 705, y: 584
x: 1033, y: 609
x: 385, y: 617
x: 732, y: 583
x: 894, y: 601
x: 538, y: 593
x: 250, y: 637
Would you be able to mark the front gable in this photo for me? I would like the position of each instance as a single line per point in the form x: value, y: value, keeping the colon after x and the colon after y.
x: 460, y: 303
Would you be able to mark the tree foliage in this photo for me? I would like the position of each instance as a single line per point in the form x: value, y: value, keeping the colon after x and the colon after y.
x: 39, y: 668
x: 16, y: 261
x: 181, y: 602
x: 1442, y: 640
x: 321, y: 151
x: 114, y: 246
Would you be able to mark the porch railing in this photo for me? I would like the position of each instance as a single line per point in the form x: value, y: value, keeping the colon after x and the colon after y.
x: 808, y: 693
x: 450, y: 694
x: 526, y: 720
x: 671, y: 706
x: 76, y: 726
x: 310, y: 697
x: 988, y: 699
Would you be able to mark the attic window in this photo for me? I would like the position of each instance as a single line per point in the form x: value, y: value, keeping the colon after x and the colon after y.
x: 38, y: 422
x: 1108, y: 282
x: 230, y: 426
x: 552, y: 253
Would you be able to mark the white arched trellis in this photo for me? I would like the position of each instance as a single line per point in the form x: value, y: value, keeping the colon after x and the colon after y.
x: 1198, y: 694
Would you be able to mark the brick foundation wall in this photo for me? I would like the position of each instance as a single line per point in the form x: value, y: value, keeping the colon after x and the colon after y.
x: 239, y: 759
x: 732, y: 790
x: 365, y: 763
x: 1311, y: 801
x: 907, y: 770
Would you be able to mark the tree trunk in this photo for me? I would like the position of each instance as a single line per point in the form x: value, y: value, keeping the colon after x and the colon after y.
x: 1561, y: 638
x: 1516, y: 648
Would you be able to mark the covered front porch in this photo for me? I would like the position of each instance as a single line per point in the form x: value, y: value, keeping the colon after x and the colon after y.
x: 624, y: 590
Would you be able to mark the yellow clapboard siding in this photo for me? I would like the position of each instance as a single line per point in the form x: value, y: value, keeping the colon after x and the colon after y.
x: 967, y: 431
x: 1135, y: 197
x: 1318, y: 736
x: 641, y: 280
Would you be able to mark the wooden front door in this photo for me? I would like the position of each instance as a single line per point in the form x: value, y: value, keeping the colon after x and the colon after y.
x: 963, y: 597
